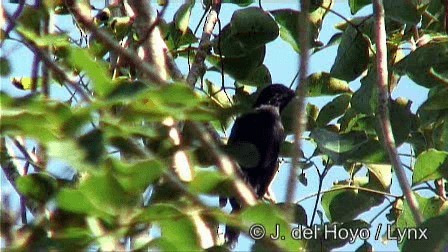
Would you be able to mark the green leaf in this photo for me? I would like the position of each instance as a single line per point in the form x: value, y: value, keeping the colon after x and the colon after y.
x: 365, y: 99
x: 380, y: 176
x: 241, y: 3
x: 37, y: 186
x: 352, y: 57
x: 288, y: 20
x: 356, y: 5
x: 105, y: 192
x: 436, y: 101
x: 135, y: 177
x: 259, y: 77
x: 206, y: 182
x: 400, y: 119
x: 319, y: 84
x: 181, y: 18
x: 240, y: 67
x: 420, y: 64
x: 5, y: 67
x: 93, y: 144
x: 338, y: 146
x: 333, y: 109
x: 335, y: 204
x: 96, y: 70
x: 70, y: 152
x: 300, y: 216
x: 432, y: 209
x: 434, y: 21
x: 436, y: 233
x: 177, y: 227
x: 269, y: 217
x: 402, y: 11
x: 253, y: 27
x: 430, y: 165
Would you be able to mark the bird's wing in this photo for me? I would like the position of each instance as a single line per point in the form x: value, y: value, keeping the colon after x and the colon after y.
x: 264, y: 130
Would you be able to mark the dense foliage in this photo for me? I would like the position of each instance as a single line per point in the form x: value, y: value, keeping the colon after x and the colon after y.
x: 115, y: 130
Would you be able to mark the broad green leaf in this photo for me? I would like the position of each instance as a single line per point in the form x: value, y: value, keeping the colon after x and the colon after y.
x: 320, y: 84
x: 365, y: 99
x: 260, y: 77
x: 400, y: 119
x: 352, y: 57
x: 37, y: 186
x: 380, y: 176
x: 402, y: 10
x: 430, y: 165
x: 338, y: 146
x: 241, y: 3
x: 19, y: 117
x: 206, y: 181
x: 96, y: 70
x: 270, y: 217
x: 5, y: 67
x: 434, y: 21
x: 51, y: 40
x: 420, y: 64
x: 159, y: 211
x: 253, y: 27
x: 436, y: 232
x: 432, y: 209
x: 239, y: 67
x: 440, y: 134
x: 356, y: 5
x: 288, y: 20
x: 437, y: 101
x: 333, y: 109
x: 300, y: 216
x: 335, y: 204
x: 69, y: 152
x: 176, y: 225
x: 429, y: 208
x: 105, y: 192
x: 181, y: 18
x: 93, y: 145
x: 370, y: 152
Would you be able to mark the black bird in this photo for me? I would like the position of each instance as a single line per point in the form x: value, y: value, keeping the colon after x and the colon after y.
x: 264, y: 130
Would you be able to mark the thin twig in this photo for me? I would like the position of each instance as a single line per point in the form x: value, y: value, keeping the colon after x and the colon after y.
x: 113, y: 45
x: 204, y: 45
x: 386, y: 129
x: 13, y: 18
x: 321, y: 181
x: 348, y: 187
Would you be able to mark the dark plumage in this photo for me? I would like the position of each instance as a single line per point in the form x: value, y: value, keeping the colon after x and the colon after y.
x: 262, y: 128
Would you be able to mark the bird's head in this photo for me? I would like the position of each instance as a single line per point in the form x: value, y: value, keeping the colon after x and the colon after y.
x: 275, y: 95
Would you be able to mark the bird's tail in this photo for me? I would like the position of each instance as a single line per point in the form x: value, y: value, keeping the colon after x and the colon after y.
x: 231, y: 235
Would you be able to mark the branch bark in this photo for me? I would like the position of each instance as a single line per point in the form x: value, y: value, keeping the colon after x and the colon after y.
x: 386, y: 128
x: 198, y: 66
x: 300, y: 121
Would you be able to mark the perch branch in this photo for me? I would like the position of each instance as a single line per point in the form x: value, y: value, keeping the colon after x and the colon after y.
x: 386, y: 128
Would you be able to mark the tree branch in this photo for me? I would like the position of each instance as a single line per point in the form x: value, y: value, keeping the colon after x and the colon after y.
x: 128, y: 55
x: 386, y: 128
x: 300, y: 119
x: 197, y: 68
